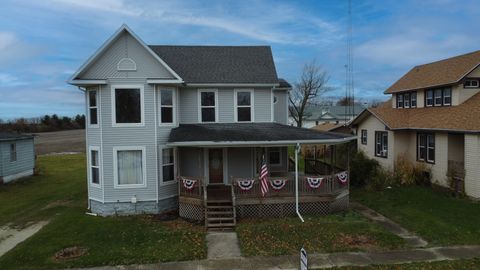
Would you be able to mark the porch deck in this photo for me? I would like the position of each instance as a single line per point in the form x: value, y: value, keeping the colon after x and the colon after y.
x: 226, y: 203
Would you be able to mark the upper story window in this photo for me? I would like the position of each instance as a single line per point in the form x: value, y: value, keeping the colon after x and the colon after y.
x: 13, y: 152
x: 243, y: 105
x: 426, y: 147
x: 127, y: 106
x: 438, y: 97
x: 471, y: 84
x: 92, y: 108
x: 167, y: 106
x: 407, y: 100
x: 381, y: 144
x: 364, y: 136
x: 208, y: 106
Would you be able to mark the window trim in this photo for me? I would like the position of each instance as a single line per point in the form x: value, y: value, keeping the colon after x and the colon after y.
x: 89, y: 107
x: 116, y: 149
x: 13, y: 152
x: 142, y: 105
x: 199, y: 102
x: 363, y: 137
x: 251, y: 106
x: 380, y: 133
x: 470, y: 86
x: 426, y: 98
x: 173, y: 106
x: 426, y: 147
x: 275, y: 149
x: 160, y: 160
x: 100, y: 178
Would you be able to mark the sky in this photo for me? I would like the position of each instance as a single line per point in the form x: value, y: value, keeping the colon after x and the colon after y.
x: 42, y: 43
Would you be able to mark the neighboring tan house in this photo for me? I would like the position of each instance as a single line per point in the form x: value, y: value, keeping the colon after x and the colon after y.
x: 187, y: 127
x: 17, y: 156
x: 320, y: 114
x: 432, y: 118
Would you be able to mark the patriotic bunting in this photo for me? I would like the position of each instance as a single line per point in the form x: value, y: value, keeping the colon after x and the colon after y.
x: 342, y: 177
x: 189, y: 184
x: 314, y: 182
x: 245, y: 184
x: 278, y: 184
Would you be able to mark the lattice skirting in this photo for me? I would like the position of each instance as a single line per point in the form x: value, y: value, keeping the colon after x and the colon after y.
x: 191, y: 211
x: 288, y: 209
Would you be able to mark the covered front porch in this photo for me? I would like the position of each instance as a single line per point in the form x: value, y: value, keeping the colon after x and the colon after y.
x: 219, y: 180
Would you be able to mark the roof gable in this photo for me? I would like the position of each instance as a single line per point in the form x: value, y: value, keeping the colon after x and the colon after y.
x: 443, y: 72
x: 121, y: 54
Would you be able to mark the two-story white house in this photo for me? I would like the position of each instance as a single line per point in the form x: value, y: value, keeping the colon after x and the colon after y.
x: 432, y: 118
x: 162, y: 120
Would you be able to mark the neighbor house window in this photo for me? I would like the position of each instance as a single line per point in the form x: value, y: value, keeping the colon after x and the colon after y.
x: 381, y: 144
x: 244, y: 101
x: 92, y: 108
x: 13, y: 152
x: 94, y: 166
x: 426, y: 147
x: 167, y: 109
x: 364, y: 136
x: 168, y: 168
x: 407, y: 100
x: 413, y: 100
x: 400, y: 101
x: 471, y: 84
x: 429, y: 98
x: 128, y: 106
x: 447, y: 96
x: 274, y: 156
x: 208, y: 106
x: 439, y: 97
x: 129, y: 163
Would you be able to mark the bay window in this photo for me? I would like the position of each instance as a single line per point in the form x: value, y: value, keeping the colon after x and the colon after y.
x: 127, y: 106
x: 92, y: 108
x: 381, y: 144
x: 426, y: 147
x: 94, y: 166
x: 244, y: 105
x: 168, y: 167
x: 208, y: 106
x: 129, y: 167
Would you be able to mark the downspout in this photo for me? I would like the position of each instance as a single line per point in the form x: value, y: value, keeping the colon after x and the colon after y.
x: 297, y: 149
x: 84, y: 90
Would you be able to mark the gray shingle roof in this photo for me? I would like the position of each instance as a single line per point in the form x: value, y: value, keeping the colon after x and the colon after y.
x: 316, y: 112
x: 248, y: 132
x: 220, y: 64
x: 8, y: 136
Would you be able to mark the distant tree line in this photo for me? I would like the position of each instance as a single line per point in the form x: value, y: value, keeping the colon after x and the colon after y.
x: 43, y: 124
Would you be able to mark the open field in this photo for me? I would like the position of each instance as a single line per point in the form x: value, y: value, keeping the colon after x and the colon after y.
x: 60, y: 141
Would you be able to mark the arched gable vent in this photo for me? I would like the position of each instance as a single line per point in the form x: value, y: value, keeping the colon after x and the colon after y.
x: 126, y: 64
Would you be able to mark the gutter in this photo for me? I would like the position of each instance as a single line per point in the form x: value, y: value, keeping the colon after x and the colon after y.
x: 270, y: 143
x: 232, y: 84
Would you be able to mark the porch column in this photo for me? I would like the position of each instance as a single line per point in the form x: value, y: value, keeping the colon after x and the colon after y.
x: 297, y: 148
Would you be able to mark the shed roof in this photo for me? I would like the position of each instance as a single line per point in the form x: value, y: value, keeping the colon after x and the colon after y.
x: 220, y: 64
x: 250, y: 133
x: 10, y: 136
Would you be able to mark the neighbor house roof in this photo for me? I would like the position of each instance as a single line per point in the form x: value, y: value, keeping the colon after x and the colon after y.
x: 250, y: 133
x: 8, y: 136
x: 327, y: 126
x: 443, y: 72
x: 462, y: 118
x: 283, y: 83
x: 319, y: 112
x: 220, y: 64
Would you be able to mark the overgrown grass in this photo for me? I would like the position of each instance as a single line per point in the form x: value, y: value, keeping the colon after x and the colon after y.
x: 437, y: 217
x: 58, y: 194
x: 340, y: 232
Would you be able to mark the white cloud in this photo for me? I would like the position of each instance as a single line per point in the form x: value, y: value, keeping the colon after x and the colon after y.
x: 13, y: 49
x: 10, y: 80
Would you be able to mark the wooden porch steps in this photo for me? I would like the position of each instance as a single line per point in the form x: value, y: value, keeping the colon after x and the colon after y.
x: 220, y: 214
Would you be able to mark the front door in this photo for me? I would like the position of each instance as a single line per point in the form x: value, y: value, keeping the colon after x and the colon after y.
x: 215, y: 165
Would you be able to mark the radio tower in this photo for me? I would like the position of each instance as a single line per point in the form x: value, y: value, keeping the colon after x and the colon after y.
x: 349, y: 82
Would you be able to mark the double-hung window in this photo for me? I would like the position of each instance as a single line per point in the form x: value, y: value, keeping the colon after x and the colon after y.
x: 447, y: 96
x: 429, y: 98
x: 364, y: 136
x: 400, y: 101
x: 244, y: 105
x: 413, y: 100
x: 13, y: 152
x: 167, y: 106
x: 129, y: 167
x: 426, y: 147
x: 208, y: 106
x: 94, y: 166
x: 274, y: 156
x: 381, y: 144
x: 127, y: 106
x: 92, y: 108
x: 438, y: 97
x: 168, y: 165
x: 406, y: 100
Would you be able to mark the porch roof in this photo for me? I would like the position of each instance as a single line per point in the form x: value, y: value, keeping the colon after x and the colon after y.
x: 231, y: 134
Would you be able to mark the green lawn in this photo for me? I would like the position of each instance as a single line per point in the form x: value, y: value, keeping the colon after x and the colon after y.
x: 441, y: 265
x: 340, y: 232
x: 437, y: 217
x: 58, y: 194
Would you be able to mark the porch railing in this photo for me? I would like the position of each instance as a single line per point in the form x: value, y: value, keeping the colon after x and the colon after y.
x: 196, y: 192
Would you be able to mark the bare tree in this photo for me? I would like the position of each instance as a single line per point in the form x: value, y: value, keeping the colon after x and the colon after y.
x: 312, y: 85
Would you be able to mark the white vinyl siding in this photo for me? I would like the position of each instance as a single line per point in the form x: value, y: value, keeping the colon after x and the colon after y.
x: 13, y: 152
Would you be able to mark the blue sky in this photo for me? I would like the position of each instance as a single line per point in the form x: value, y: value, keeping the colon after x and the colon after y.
x: 43, y: 42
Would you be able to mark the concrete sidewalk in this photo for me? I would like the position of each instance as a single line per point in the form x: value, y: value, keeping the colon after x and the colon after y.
x: 318, y: 261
